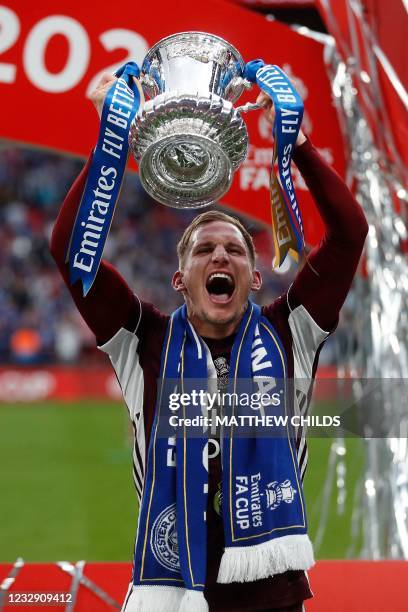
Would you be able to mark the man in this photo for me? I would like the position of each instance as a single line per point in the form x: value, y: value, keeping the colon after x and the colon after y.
x: 217, y: 271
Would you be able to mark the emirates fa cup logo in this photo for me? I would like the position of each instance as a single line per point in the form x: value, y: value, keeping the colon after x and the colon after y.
x: 276, y: 493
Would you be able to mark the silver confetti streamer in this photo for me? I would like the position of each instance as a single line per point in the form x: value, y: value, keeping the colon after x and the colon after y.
x: 76, y: 571
x: 378, y: 331
x: 380, y: 318
x: 8, y: 582
x: 75, y: 584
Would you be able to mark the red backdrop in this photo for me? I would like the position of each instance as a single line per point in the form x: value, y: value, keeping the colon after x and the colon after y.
x: 373, y: 33
x: 49, y: 58
x: 340, y: 586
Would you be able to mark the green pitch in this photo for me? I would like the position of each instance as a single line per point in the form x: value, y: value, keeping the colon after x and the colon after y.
x: 67, y: 489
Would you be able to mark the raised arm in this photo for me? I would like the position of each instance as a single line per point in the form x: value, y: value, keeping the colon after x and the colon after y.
x: 110, y: 304
x: 322, y: 284
x: 324, y: 281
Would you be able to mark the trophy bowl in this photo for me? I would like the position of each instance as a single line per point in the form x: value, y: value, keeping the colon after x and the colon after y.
x: 188, y: 138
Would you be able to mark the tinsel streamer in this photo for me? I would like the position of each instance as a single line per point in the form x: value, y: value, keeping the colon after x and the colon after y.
x: 79, y: 578
x: 335, y: 476
x: 9, y: 580
x: 380, y: 317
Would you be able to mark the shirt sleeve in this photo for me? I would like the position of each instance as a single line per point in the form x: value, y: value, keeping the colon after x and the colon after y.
x: 136, y: 356
x: 136, y: 359
x: 321, y: 286
x: 110, y: 303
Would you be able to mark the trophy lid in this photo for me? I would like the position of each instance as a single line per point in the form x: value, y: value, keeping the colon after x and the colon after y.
x: 196, y: 60
x: 198, y: 38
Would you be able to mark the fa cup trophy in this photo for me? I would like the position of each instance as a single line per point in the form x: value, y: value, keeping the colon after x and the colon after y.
x: 188, y: 138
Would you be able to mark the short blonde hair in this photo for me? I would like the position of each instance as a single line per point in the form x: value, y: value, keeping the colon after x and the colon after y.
x: 209, y: 217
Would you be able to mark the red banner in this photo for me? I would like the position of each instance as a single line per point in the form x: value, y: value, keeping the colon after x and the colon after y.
x: 278, y: 4
x: 349, y: 586
x: 51, y: 59
x: 59, y: 383
x: 373, y: 42
x: 34, y: 384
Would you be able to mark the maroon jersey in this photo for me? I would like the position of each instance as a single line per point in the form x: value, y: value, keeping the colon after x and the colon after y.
x: 132, y: 332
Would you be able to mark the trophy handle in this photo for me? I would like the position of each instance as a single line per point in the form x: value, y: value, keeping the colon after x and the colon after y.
x: 249, y: 106
x: 141, y: 92
x: 239, y: 81
x: 148, y: 84
x: 237, y: 84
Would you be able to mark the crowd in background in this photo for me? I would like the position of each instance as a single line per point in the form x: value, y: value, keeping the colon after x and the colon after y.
x: 38, y: 320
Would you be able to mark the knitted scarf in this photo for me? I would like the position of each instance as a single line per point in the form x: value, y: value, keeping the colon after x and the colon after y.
x: 263, y: 507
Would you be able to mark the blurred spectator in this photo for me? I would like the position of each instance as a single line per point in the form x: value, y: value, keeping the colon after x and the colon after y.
x: 67, y: 339
x: 25, y: 346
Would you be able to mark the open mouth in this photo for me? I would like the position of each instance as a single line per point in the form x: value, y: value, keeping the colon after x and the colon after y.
x: 220, y: 287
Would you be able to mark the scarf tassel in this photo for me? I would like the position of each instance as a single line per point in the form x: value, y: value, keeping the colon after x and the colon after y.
x: 249, y: 563
x: 155, y: 598
x: 193, y: 600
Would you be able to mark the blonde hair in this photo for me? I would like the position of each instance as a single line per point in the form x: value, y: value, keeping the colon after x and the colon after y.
x: 209, y: 217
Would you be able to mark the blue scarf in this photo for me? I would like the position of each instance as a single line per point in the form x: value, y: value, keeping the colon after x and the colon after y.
x: 263, y: 506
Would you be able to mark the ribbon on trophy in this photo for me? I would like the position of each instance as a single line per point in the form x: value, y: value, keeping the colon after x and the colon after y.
x: 105, y: 177
x: 287, y: 225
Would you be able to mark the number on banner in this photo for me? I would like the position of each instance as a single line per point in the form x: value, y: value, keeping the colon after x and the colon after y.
x: 79, y: 51
x: 9, y: 31
x: 134, y: 43
x: 78, y: 55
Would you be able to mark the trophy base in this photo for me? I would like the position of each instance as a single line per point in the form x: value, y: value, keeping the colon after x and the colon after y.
x: 185, y: 171
x: 189, y: 145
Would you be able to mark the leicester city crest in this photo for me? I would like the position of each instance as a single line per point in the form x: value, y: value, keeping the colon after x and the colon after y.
x: 163, y: 539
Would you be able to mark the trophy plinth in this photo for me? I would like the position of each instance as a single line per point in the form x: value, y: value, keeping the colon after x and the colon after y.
x: 188, y: 138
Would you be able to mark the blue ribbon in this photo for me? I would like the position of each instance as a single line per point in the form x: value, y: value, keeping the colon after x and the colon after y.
x: 286, y: 216
x: 105, y: 177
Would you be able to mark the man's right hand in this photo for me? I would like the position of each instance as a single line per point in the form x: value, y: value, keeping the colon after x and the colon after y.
x: 99, y: 93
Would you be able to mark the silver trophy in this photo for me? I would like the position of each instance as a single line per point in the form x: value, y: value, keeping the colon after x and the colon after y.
x: 188, y: 138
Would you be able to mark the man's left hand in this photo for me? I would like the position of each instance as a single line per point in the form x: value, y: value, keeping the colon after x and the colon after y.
x: 269, y: 111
